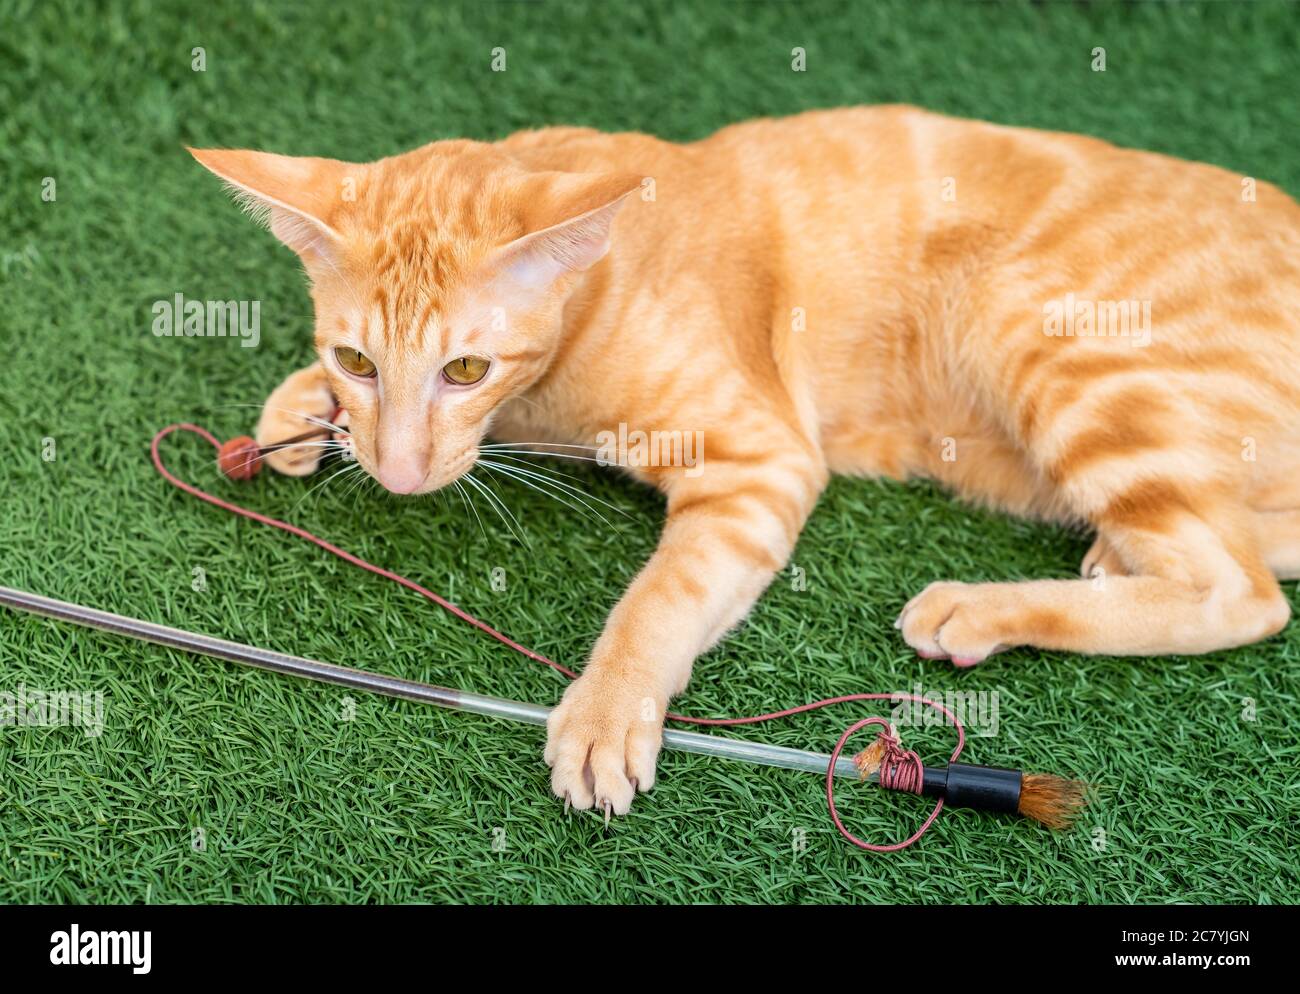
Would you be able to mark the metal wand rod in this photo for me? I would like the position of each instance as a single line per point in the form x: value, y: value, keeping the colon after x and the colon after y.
x: 393, y: 686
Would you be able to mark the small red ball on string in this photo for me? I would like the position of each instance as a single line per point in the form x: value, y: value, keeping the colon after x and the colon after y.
x: 240, y: 458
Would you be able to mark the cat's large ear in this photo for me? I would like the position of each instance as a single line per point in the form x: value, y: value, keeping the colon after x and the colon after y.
x: 571, y: 215
x: 294, y: 196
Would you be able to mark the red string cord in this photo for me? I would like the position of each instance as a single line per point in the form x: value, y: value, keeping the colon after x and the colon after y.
x: 899, y: 770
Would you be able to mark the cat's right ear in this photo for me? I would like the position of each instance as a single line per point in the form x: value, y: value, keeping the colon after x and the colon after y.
x: 295, y: 196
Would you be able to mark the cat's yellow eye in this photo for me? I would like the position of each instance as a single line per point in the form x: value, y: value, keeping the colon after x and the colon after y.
x: 466, y: 370
x: 354, y: 362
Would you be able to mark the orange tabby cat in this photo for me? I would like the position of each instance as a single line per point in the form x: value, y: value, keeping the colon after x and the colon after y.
x: 1043, y: 322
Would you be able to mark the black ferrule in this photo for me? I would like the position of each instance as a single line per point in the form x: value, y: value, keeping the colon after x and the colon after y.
x: 961, y: 785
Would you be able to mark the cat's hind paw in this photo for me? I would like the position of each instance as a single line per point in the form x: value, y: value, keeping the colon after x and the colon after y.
x: 952, y: 621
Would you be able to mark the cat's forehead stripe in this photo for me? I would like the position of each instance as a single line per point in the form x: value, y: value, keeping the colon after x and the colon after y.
x: 375, y: 323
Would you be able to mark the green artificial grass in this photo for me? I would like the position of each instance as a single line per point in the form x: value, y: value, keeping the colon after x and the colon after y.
x: 407, y: 803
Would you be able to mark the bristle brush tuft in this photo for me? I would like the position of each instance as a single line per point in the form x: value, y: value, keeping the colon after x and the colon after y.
x: 1052, y: 800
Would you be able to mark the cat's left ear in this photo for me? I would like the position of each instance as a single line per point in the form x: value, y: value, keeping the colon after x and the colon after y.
x: 297, y: 197
x: 573, y: 215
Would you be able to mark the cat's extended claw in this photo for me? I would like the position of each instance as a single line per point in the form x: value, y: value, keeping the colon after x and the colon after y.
x: 602, y: 741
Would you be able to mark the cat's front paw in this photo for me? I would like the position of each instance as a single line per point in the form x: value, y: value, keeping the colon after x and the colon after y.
x: 952, y: 621
x: 602, y: 741
x: 289, y: 412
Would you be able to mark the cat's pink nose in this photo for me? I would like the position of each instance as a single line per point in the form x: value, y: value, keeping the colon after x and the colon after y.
x: 402, y: 474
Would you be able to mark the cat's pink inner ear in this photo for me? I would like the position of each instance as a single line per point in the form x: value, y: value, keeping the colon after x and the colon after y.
x: 296, y: 197
x: 569, y: 246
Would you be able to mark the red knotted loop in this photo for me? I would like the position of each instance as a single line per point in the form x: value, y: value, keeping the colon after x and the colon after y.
x: 900, y: 769
x: 904, y: 769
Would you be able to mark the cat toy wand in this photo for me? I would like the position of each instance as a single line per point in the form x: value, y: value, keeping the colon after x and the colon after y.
x: 1051, y: 800
x: 957, y: 784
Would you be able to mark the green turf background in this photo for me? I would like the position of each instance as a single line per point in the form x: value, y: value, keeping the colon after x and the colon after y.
x: 402, y: 803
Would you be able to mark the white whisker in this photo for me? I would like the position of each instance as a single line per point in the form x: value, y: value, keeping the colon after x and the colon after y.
x: 491, y: 491
x: 313, y: 420
x: 542, y: 490
x: 320, y: 485
x: 309, y: 418
x: 535, y: 473
x: 283, y: 446
x: 554, y: 445
x: 585, y: 510
x: 552, y: 455
x: 354, y: 485
x: 534, y: 467
x: 469, y: 506
x: 495, y: 503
